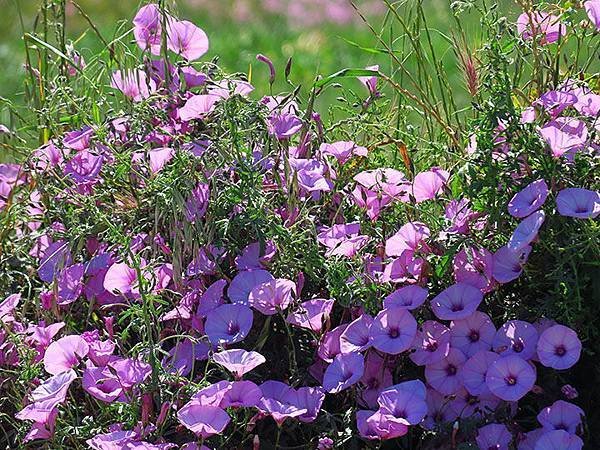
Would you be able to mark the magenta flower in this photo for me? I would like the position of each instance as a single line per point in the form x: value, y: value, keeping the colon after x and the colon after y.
x: 186, y: 39
x: 272, y: 296
x: 564, y: 135
x: 427, y: 185
x: 516, y: 337
x: 438, y: 410
x: 228, y: 324
x: 343, y: 372
x: 407, y: 297
x: 342, y: 239
x: 102, y: 384
x: 182, y: 356
x: 404, y: 403
x: 47, y: 396
x: 410, y: 236
x: 592, y: 7
x: 526, y: 231
x: 253, y: 257
x: 377, y: 425
x: 510, y: 377
x: 393, y: 330
x: 204, y: 421
x: 459, y: 301
x: 311, y: 314
x: 528, y: 200
x: 64, y: 354
x: 244, y: 282
x: 147, y: 28
x: 508, y: 264
x: 474, y: 266
x: 238, y: 361
x: 280, y: 401
x: 241, y: 394
x: 342, y: 150
x: 7, y: 308
x: 558, y: 440
x: 70, y: 284
x: 370, y: 82
x: 558, y: 347
x: 198, y: 107
x: 445, y: 375
x: 134, y: 84
x: 578, y: 203
x: 284, y: 126
x: 431, y: 344
x: 355, y: 338
x: 122, y: 279
x: 159, y: 158
x: 130, y: 371
x: 494, y: 436
x: 475, y: 370
x: 538, y: 24
x: 377, y: 188
x: 79, y: 139
x: 561, y: 416
x: 197, y: 204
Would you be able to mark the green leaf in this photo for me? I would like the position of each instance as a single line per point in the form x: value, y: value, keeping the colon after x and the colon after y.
x: 345, y: 73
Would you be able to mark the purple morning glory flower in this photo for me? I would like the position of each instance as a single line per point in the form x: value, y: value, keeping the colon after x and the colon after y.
x: 444, y: 376
x: 376, y: 425
x: 311, y: 399
x: 555, y: 102
x: 558, y: 347
x: 342, y: 150
x: 475, y: 370
x: 311, y: 314
x: 393, y: 330
x: 578, y: 203
x: 280, y: 401
x: 102, y: 384
x: 431, y: 344
x: 65, y: 353
x: 343, y: 372
x: 528, y: 200
x: 508, y: 264
x: 47, y: 396
x: 238, y: 361
x: 526, y: 231
x: 197, y: 204
x: 516, y: 337
x: 510, y: 377
x: 561, y: 416
x: 241, y: 394
x: 355, y: 337
x: 329, y: 346
x: 494, y: 436
x: 202, y: 420
x: 284, y: 126
x: 376, y: 378
x: 558, y: 440
x: 54, y: 258
x: 407, y: 297
x: 404, y: 402
x: 228, y: 324
x: 473, y: 333
x: 458, y: 301
x: 147, y: 28
x: 272, y: 296
x: 70, y: 284
x: 243, y: 283
x: 565, y: 135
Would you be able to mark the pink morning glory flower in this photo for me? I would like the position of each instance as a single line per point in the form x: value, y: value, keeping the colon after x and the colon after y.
x: 427, y: 185
x: 410, y: 236
x: 431, y: 344
x: 592, y: 7
x: 134, y: 84
x: 238, y: 361
x: 311, y: 314
x: 407, y: 297
x: 393, y: 330
x: 528, y: 200
x: 564, y: 135
x: 404, y: 403
x: 540, y: 24
x: 343, y: 372
x: 204, y: 421
x: 445, y: 375
x: 458, y: 301
x: 147, y: 28
x: 198, y: 106
x: 355, y: 338
x: 558, y: 347
x: 342, y: 150
x: 510, y: 377
x: 272, y: 296
x: 65, y: 354
x: 186, y: 39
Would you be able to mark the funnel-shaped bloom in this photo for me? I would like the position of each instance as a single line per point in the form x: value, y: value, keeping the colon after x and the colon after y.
x: 494, y: 436
x: 459, y: 301
x: 239, y: 361
x: 559, y: 347
x: 526, y: 231
x: 558, y: 440
x: 410, y: 236
x: 475, y: 370
x: 134, y: 84
x: 186, y: 39
x: 241, y: 394
x: 561, y: 416
x: 393, y: 330
x: 272, y: 296
x: 343, y: 372
x: 510, y: 377
x: 228, y: 324
x: 540, y: 25
x: 508, y: 264
x: 280, y: 401
x: 427, y: 185
x: 578, y: 203
x: 243, y: 283
x: 404, y: 402
x: 528, y: 200
x: 355, y: 337
x: 407, y: 297
x: 65, y: 353
x: 444, y: 376
x: 147, y: 28
x: 202, y: 420
x: 516, y: 337
x: 472, y: 334
x: 311, y: 314
x: 47, y: 396
x: 431, y: 344
x: 564, y: 136
x: 376, y: 425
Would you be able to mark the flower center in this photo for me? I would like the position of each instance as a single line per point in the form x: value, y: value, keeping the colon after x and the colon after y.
x: 517, y: 347
x: 560, y: 350
x: 431, y: 346
x: 394, y: 333
x: 451, y: 370
x: 510, y: 380
x: 233, y: 328
x: 456, y: 308
x: 474, y: 336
